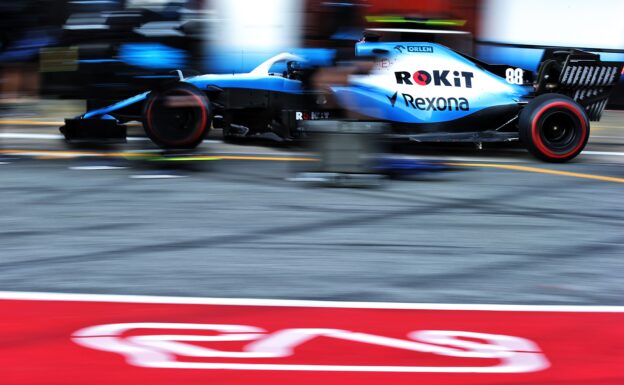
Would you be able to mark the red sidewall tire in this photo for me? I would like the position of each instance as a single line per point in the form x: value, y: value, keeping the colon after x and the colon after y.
x: 195, y: 134
x: 534, y: 123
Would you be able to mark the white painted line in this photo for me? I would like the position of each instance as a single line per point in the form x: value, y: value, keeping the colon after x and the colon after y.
x: 425, y: 157
x: 90, y: 168
x: 138, y: 139
x: 5, y: 163
x: 609, y: 153
x: 14, y: 135
x: 27, y: 135
x: 332, y: 368
x: 308, y: 179
x: 39, y: 296
x: 464, y: 159
x: 157, y: 176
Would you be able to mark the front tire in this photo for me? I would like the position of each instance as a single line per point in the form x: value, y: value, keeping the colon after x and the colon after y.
x: 177, y: 117
x: 554, y: 128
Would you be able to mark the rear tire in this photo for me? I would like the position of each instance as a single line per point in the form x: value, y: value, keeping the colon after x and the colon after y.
x: 177, y: 117
x: 554, y: 128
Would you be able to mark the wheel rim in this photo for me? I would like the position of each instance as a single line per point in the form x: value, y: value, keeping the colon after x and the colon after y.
x: 560, y: 130
x: 177, y: 117
x: 570, y: 136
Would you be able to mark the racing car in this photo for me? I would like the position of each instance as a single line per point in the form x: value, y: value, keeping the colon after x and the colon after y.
x: 425, y: 91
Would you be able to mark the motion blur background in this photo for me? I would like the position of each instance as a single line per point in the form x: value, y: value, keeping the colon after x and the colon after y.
x: 508, y: 229
x: 74, y: 49
x: 485, y: 224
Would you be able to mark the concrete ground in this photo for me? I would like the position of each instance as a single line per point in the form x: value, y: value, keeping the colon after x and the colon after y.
x: 501, y: 227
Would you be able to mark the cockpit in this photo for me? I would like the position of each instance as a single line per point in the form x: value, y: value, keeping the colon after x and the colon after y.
x: 285, y: 65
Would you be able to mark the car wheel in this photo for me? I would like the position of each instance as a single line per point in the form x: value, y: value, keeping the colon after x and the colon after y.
x: 554, y: 127
x: 177, y: 117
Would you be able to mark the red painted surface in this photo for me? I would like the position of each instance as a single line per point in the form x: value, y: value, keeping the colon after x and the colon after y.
x: 581, y: 348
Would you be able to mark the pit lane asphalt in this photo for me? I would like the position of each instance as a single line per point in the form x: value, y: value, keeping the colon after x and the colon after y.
x: 235, y: 228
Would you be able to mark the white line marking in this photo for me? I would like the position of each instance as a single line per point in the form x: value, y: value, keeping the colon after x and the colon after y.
x: 13, y: 135
x: 27, y: 135
x: 157, y: 176
x: 218, y: 153
x: 43, y: 296
x: 335, y: 368
x: 603, y: 153
x: 90, y: 168
x: 607, y: 137
x: 448, y: 158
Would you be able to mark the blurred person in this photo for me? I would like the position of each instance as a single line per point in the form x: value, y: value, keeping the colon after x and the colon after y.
x: 337, y: 26
x: 27, y: 26
x: 346, y: 148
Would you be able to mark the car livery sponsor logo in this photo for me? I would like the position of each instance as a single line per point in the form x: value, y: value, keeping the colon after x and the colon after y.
x: 440, y: 78
x: 305, y: 115
x: 414, y: 48
x: 384, y: 63
x: 191, y: 346
x: 393, y: 98
x: 433, y: 104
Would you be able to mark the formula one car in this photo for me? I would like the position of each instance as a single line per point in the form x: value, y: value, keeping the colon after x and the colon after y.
x: 425, y: 91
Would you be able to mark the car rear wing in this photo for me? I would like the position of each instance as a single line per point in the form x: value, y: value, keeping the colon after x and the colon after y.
x: 580, y: 75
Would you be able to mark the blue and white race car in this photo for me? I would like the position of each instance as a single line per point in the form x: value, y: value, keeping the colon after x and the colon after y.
x: 425, y: 91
